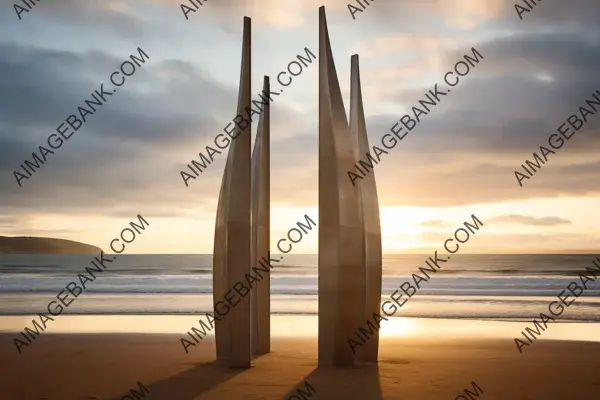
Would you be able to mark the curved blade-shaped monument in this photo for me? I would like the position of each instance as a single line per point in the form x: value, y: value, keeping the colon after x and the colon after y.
x: 369, y: 201
x: 261, y: 227
x: 232, y: 232
x: 341, y: 299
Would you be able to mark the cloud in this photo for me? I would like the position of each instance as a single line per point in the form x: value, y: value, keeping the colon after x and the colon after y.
x: 434, y: 224
x: 465, y: 151
x: 386, y: 45
x: 32, y: 79
x: 502, y: 107
x: 464, y: 14
x: 140, y: 140
x: 533, y: 221
x: 489, y: 243
x: 113, y: 16
x: 120, y: 152
x: 129, y: 154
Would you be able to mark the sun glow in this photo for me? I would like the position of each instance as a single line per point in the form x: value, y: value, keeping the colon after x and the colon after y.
x: 398, y: 327
x: 401, y: 227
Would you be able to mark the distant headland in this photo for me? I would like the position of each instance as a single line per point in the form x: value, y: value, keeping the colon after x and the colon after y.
x: 41, y: 245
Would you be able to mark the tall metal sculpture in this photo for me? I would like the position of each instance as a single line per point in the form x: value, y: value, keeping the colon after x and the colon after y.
x: 261, y: 227
x: 341, y: 293
x: 349, y: 225
x: 369, y: 202
x: 232, y: 232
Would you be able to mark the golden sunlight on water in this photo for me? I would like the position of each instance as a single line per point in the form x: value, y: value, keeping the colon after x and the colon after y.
x: 306, y: 325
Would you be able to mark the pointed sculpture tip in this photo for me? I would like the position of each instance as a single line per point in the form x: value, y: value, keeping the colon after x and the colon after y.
x: 322, y: 20
x: 246, y: 36
x: 354, y: 65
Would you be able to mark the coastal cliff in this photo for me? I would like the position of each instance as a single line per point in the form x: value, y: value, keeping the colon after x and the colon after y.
x: 41, y: 245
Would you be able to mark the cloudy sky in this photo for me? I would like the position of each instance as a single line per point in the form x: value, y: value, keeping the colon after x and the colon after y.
x: 459, y: 161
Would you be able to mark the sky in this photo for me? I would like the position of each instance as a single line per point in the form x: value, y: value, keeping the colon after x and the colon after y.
x: 459, y: 161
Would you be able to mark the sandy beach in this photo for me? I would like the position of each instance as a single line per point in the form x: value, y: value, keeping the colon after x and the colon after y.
x: 423, y: 363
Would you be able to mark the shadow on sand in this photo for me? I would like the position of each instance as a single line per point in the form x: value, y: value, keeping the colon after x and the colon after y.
x: 362, y: 382
x: 189, y: 384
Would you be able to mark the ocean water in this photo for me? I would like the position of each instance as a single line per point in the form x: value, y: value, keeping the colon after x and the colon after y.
x: 492, y: 287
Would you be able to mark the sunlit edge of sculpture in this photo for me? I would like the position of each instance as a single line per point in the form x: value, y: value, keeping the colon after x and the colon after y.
x: 367, y: 186
x: 219, y: 272
x: 261, y: 235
